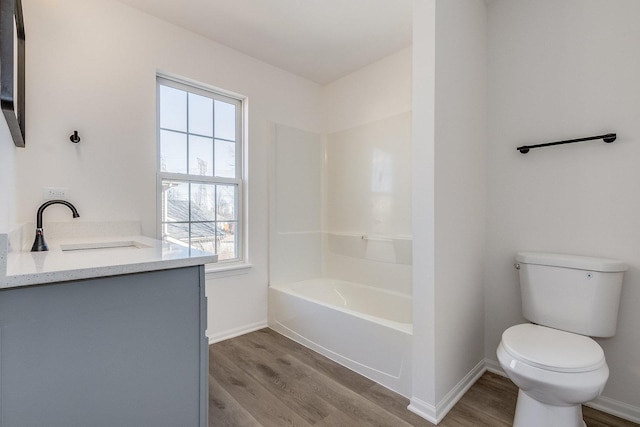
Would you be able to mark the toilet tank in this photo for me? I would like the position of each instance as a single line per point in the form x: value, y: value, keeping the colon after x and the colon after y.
x: 569, y: 292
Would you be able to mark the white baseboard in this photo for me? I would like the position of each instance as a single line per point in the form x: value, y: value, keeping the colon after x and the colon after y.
x: 235, y: 332
x: 456, y: 393
x: 423, y: 409
x: 617, y: 408
x: 436, y: 414
x: 602, y: 403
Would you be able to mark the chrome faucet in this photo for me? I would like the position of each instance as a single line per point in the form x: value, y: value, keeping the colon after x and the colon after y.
x: 39, y: 244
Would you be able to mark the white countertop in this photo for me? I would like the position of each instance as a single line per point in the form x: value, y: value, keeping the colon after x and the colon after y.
x: 136, y: 254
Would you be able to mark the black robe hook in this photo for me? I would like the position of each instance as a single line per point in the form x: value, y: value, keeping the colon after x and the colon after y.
x: 74, y: 138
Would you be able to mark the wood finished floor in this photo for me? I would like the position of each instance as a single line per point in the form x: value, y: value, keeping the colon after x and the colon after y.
x: 265, y: 379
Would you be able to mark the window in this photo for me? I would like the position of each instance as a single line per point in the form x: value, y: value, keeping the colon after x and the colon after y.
x: 200, y: 168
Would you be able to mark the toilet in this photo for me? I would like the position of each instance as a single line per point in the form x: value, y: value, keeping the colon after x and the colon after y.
x: 553, y: 361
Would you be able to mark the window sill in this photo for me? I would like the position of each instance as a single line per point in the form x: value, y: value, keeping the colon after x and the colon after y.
x: 217, y: 271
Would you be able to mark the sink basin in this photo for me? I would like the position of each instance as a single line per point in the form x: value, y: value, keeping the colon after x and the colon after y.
x: 122, y: 244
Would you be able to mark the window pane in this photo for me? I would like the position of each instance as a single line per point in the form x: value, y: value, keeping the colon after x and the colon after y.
x: 225, y: 120
x: 173, y: 109
x: 203, y: 236
x: 200, y: 156
x: 203, y: 202
x: 173, y: 152
x: 200, y: 115
x: 225, y: 159
x: 175, y: 201
x: 226, y: 241
x: 226, y: 203
x: 176, y: 233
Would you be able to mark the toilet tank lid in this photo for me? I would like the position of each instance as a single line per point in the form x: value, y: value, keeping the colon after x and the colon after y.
x: 572, y: 261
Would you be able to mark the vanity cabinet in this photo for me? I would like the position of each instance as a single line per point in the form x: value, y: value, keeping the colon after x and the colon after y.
x: 124, y: 350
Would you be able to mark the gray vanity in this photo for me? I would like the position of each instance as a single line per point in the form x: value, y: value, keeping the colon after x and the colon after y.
x: 99, y: 335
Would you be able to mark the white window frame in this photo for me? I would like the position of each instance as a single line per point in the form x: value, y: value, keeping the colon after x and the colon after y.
x: 239, y: 180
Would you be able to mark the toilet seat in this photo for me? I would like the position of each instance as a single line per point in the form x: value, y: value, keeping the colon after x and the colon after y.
x: 552, y: 349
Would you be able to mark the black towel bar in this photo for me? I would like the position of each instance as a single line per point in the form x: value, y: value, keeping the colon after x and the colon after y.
x: 608, y: 138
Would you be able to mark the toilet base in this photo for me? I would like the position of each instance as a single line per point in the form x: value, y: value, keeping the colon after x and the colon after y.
x: 532, y: 413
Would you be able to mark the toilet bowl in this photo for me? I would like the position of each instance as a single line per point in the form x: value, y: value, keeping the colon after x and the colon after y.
x: 556, y: 372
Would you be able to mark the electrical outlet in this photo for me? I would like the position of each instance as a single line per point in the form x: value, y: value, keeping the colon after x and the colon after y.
x: 57, y: 193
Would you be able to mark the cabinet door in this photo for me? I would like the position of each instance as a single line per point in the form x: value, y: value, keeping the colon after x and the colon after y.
x: 117, y: 351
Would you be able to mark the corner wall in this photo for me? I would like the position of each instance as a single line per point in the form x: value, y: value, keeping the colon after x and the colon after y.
x: 460, y: 189
x: 562, y: 70
x: 449, y: 210
x: 423, y: 399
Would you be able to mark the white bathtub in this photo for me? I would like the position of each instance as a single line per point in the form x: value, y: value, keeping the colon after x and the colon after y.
x: 363, y: 328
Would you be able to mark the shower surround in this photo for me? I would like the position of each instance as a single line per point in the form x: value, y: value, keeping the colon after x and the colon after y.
x: 340, y: 245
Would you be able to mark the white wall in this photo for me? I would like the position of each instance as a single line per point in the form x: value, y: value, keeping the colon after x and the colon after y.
x: 91, y: 66
x: 560, y: 70
x: 377, y: 91
x: 450, y: 203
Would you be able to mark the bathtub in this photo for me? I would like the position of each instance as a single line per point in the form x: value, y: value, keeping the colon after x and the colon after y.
x: 366, y: 329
